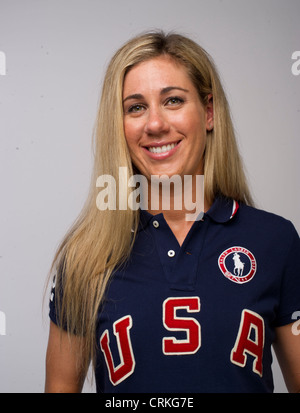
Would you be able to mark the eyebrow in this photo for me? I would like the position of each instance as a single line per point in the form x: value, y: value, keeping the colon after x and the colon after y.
x: 162, y: 92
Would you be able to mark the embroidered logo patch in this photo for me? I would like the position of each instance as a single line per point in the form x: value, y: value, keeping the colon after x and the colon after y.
x: 237, y: 264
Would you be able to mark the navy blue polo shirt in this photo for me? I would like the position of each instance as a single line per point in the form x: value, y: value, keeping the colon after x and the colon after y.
x: 199, y: 317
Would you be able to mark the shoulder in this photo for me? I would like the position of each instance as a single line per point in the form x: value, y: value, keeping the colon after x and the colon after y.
x: 267, y: 217
x: 267, y: 224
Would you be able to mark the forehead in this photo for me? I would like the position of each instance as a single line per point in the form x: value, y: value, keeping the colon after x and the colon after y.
x: 156, y: 73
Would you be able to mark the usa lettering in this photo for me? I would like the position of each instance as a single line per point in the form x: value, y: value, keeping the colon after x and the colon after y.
x: 249, y: 340
x: 250, y: 322
x: 192, y: 328
x: 126, y: 367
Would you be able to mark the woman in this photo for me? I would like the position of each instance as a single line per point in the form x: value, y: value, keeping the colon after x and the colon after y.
x: 158, y: 302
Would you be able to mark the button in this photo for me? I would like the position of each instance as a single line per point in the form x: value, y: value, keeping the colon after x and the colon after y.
x: 155, y: 224
x: 171, y: 253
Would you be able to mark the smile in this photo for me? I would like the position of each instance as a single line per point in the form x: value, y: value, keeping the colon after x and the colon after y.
x: 162, y: 149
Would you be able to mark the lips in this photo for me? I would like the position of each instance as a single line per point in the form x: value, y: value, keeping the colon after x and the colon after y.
x: 161, y: 150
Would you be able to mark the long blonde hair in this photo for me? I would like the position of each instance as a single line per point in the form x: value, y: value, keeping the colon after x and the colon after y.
x: 100, y: 241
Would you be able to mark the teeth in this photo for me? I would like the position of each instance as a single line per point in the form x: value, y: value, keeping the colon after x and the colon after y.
x: 161, y: 149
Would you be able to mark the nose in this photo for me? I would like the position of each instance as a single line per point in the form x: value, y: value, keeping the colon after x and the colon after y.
x: 157, y: 122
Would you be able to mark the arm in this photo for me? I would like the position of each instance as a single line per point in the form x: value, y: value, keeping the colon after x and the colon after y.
x: 63, y: 374
x: 287, y: 349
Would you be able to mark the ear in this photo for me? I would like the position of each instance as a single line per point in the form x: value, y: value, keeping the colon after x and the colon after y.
x: 209, y: 113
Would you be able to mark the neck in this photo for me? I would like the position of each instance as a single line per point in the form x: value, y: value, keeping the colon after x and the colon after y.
x: 180, y: 204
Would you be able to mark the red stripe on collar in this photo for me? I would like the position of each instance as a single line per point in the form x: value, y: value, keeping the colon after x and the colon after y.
x: 235, y: 207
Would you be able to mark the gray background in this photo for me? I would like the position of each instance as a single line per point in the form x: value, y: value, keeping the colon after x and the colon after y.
x: 56, y: 52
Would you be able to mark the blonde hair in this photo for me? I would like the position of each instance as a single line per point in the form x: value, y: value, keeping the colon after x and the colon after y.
x: 100, y: 241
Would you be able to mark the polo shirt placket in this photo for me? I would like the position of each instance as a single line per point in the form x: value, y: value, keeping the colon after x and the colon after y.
x: 179, y: 263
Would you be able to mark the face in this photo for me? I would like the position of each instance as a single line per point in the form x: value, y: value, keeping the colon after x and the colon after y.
x: 165, y: 122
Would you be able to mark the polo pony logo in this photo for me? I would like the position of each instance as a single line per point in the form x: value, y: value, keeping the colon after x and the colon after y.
x: 237, y: 264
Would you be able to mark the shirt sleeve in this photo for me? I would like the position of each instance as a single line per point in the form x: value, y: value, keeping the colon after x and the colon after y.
x: 56, y: 295
x: 52, y: 306
x: 290, y: 286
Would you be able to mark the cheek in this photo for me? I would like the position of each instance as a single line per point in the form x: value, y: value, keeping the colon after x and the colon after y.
x: 190, y: 122
x: 198, y: 124
x: 132, y: 133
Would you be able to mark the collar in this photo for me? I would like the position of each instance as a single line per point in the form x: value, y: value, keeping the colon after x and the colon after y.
x: 145, y: 218
x: 222, y: 210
